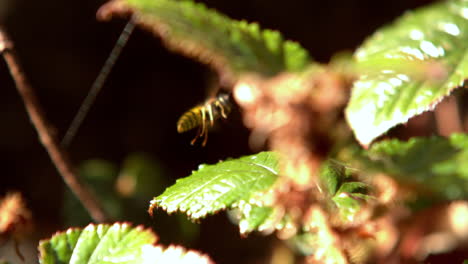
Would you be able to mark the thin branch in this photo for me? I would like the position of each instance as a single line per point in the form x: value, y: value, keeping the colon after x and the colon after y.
x: 46, y: 135
x: 97, y: 84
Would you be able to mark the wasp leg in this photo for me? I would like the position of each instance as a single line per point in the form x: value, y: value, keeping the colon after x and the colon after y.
x: 199, y: 133
x: 205, y: 139
x: 223, y: 110
x: 206, y: 125
x: 201, y: 127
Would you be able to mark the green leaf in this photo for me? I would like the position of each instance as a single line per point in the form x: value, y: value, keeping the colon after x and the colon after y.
x: 332, y: 174
x: 231, y: 47
x: 437, y: 165
x: 408, y: 67
x: 265, y: 219
x: 216, y: 187
x: 348, y: 196
x: 349, y: 204
x: 256, y: 218
x: 349, y: 199
x: 118, y: 243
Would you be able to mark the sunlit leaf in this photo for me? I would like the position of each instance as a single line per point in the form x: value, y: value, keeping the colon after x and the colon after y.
x: 117, y: 243
x: 408, y: 67
x: 174, y: 255
x: 254, y: 217
x: 231, y: 47
x: 215, y: 187
x: 265, y: 219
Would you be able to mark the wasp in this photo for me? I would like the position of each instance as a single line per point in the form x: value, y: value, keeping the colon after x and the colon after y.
x: 204, y: 115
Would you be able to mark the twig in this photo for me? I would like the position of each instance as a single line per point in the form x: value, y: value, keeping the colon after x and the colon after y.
x: 46, y: 134
x: 97, y: 84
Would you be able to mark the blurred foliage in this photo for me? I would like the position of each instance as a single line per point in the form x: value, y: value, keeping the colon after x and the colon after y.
x: 434, y: 166
x: 344, y: 192
x: 232, y: 47
x: 408, y: 67
x: 125, y: 193
x: 402, y: 70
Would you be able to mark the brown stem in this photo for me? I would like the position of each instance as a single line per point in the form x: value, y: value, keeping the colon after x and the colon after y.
x: 46, y: 135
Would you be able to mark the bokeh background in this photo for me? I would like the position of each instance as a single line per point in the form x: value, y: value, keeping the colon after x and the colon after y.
x: 62, y: 48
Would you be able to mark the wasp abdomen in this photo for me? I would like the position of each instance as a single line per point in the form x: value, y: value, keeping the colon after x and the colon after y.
x: 203, y: 116
x: 190, y: 119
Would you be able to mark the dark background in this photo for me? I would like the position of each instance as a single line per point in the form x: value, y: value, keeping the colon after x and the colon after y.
x: 62, y: 48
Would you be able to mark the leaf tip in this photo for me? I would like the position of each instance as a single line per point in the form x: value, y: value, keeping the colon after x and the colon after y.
x: 153, y: 206
x: 115, y: 7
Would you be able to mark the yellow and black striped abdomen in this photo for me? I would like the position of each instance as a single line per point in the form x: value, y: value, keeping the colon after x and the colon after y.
x: 190, y: 119
x: 203, y: 116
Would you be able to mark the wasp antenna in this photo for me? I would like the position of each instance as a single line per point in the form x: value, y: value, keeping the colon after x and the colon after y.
x: 97, y: 84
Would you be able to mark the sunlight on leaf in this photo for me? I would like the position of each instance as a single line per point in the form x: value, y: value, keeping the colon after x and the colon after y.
x: 117, y: 243
x: 94, y: 243
x: 231, y: 47
x: 215, y: 187
x: 255, y: 217
x: 408, y: 68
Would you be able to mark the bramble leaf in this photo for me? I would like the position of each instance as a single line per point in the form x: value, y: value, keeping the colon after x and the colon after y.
x: 117, y: 243
x: 332, y: 175
x: 350, y: 203
x: 215, y: 187
x: 95, y: 243
x: 257, y: 218
x: 437, y: 165
x: 408, y: 67
x: 348, y: 196
x: 231, y: 47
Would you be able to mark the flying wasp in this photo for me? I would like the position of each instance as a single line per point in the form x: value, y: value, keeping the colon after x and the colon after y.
x: 204, y: 115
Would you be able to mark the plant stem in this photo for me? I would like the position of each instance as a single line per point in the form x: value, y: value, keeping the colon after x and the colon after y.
x: 46, y: 134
